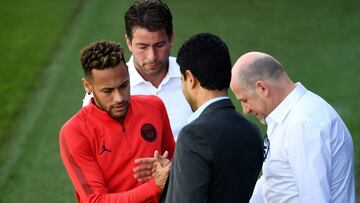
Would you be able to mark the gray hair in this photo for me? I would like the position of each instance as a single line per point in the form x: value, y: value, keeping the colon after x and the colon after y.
x: 263, y: 68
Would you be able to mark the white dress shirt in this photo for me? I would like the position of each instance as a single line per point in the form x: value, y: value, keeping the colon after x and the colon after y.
x: 310, y: 155
x: 197, y: 113
x: 169, y: 91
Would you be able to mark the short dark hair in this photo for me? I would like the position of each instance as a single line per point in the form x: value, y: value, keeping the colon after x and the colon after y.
x: 208, y: 59
x: 100, y: 55
x: 150, y: 14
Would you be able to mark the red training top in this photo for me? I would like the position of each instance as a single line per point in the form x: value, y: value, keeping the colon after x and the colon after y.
x: 99, y: 153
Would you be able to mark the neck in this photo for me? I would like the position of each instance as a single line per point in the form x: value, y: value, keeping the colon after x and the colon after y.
x: 205, y: 95
x: 285, y: 87
x: 154, y: 78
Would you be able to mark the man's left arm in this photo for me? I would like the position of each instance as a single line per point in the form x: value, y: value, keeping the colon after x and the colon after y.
x: 309, y: 154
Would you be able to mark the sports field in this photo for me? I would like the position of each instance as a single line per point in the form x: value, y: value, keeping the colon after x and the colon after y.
x: 317, y: 41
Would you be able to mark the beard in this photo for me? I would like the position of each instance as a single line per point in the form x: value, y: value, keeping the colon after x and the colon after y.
x: 119, y: 114
x: 117, y: 111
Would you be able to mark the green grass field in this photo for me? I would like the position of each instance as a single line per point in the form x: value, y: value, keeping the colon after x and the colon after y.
x: 317, y: 41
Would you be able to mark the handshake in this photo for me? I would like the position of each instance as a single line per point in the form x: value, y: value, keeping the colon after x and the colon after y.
x: 157, y: 167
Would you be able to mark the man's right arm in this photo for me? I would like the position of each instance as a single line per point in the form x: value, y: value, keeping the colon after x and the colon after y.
x: 86, y: 175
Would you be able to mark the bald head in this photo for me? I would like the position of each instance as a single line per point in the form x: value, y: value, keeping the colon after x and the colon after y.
x: 259, y: 83
x: 255, y: 66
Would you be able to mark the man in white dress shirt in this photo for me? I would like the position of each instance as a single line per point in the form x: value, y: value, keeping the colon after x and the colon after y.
x: 309, y: 150
x: 149, y: 36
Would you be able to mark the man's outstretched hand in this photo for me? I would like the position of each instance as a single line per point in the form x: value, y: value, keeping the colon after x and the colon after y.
x: 156, y: 167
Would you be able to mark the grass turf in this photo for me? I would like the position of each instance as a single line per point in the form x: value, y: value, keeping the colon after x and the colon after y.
x: 316, y: 41
x: 29, y: 33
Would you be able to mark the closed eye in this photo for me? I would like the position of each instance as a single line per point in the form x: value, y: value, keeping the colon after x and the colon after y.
x: 107, y: 90
x: 126, y: 83
x: 159, y: 45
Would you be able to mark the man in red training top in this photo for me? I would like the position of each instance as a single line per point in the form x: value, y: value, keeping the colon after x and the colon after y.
x: 100, y: 143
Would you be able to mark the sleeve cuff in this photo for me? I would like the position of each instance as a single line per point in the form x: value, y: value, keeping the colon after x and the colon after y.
x: 153, y: 188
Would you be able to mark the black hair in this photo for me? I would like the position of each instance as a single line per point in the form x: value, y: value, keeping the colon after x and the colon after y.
x: 153, y: 15
x: 100, y: 55
x: 208, y: 59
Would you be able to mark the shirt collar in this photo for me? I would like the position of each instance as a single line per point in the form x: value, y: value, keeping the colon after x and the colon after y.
x: 197, y: 113
x: 136, y: 78
x: 280, y: 112
x: 174, y: 69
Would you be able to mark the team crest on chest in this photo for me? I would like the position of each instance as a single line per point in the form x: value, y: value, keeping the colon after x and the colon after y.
x: 148, y: 132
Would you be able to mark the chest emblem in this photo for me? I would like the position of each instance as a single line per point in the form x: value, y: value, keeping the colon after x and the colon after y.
x: 148, y: 132
x: 104, y: 149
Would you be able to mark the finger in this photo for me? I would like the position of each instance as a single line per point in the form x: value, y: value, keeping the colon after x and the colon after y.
x: 144, y: 167
x: 143, y: 180
x: 142, y: 174
x: 165, y: 155
x: 144, y: 160
x: 156, y: 154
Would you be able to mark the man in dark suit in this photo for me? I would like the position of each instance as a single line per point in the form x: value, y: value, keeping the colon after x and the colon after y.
x: 219, y: 154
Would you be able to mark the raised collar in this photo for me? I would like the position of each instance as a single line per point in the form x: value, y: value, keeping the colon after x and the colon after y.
x: 279, y: 114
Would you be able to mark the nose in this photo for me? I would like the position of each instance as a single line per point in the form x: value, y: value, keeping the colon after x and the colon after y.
x: 152, y: 54
x: 118, y: 96
x: 246, y: 108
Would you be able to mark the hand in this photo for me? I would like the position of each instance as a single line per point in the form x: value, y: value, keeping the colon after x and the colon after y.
x: 161, y: 173
x: 145, y: 167
x: 162, y: 159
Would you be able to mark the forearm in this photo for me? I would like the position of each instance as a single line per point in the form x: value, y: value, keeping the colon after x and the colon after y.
x: 147, y: 192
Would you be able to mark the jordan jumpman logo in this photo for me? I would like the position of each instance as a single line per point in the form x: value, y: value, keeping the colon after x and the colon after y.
x: 104, y: 149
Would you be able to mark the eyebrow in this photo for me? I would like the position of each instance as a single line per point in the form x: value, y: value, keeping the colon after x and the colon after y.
x: 145, y: 44
x: 142, y: 44
x: 107, y: 88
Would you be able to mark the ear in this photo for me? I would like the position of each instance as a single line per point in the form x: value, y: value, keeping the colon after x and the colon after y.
x: 262, y: 88
x: 191, y: 80
x: 128, y: 42
x: 87, y: 85
x: 172, y: 40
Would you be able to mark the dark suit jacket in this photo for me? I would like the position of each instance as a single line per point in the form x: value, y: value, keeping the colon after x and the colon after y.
x: 217, y: 158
